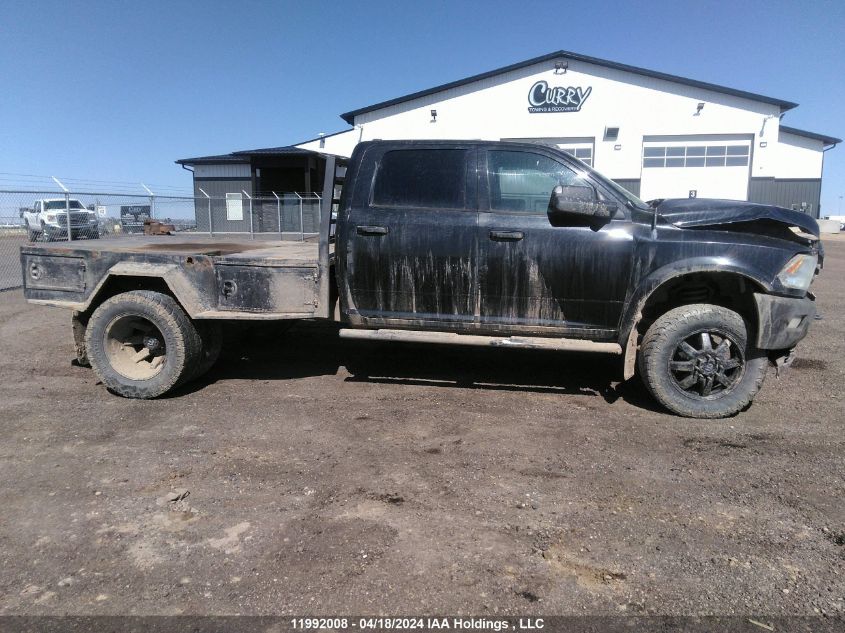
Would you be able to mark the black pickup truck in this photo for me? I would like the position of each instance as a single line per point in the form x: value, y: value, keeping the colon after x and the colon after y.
x: 464, y: 242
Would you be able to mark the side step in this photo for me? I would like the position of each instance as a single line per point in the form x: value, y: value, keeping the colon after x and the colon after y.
x: 523, y: 342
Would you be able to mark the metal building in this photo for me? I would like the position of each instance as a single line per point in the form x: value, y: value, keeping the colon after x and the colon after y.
x: 658, y: 135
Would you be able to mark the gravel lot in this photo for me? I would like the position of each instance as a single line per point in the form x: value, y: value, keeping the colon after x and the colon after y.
x: 331, y: 477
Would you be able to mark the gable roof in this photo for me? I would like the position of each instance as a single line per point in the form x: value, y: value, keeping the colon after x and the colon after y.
x: 827, y: 140
x: 349, y: 117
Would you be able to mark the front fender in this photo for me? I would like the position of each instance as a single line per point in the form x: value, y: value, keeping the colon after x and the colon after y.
x: 637, y: 298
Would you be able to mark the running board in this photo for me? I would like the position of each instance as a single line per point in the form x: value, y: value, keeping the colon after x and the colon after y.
x: 522, y: 342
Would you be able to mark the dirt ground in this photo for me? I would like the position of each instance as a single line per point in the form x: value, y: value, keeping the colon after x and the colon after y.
x: 331, y: 477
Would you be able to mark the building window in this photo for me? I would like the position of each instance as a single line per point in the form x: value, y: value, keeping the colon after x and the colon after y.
x: 584, y: 154
x: 697, y: 156
x: 234, y: 206
x: 422, y: 178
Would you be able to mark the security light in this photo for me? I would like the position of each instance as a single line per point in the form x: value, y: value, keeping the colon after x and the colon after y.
x: 560, y: 67
x: 699, y: 108
x: 434, y: 116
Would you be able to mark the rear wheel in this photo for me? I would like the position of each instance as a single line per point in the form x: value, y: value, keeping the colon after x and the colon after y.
x: 697, y: 362
x: 211, y: 334
x: 142, y: 344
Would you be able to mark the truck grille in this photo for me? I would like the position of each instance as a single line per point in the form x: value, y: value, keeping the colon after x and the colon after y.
x: 76, y: 219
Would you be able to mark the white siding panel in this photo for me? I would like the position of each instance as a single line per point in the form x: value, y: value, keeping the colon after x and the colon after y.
x: 798, y: 157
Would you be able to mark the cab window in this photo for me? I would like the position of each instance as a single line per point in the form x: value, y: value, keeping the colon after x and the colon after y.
x: 421, y: 178
x: 522, y: 182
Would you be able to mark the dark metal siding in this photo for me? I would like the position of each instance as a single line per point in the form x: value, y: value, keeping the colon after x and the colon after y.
x: 785, y: 192
x: 217, y: 188
x: 631, y: 184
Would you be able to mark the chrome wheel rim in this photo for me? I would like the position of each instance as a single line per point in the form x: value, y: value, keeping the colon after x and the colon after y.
x: 707, y: 364
x: 135, y: 347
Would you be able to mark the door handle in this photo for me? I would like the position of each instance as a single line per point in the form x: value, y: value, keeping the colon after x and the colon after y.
x: 372, y: 230
x: 506, y: 236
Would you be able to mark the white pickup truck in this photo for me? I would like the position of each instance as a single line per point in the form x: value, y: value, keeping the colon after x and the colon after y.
x: 47, y: 220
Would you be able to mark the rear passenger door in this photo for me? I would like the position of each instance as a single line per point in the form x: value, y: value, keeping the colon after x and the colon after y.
x: 411, y: 252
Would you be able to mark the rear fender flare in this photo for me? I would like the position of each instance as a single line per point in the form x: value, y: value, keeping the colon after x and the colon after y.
x: 184, y: 289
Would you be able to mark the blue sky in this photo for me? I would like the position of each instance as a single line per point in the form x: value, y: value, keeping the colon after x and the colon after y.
x: 116, y: 91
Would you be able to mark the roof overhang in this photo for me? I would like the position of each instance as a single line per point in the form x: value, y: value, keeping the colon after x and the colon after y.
x: 245, y: 156
x: 827, y: 140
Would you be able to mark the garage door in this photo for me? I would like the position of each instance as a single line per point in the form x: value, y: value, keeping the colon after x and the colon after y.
x: 580, y: 148
x: 712, y: 168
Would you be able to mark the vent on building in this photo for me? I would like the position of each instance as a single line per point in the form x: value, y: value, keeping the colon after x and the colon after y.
x: 611, y: 133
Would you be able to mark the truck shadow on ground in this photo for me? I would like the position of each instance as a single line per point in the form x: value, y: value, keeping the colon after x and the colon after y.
x: 265, y: 352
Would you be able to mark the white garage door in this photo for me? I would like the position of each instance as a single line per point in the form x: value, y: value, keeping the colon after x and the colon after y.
x: 710, y: 168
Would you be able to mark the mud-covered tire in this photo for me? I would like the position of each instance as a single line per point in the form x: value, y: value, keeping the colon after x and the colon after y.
x: 148, y: 325
x: 211, y: 334
x: 680, y: 356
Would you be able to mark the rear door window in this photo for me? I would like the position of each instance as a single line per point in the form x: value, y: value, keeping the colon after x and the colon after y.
x: 421, y: 178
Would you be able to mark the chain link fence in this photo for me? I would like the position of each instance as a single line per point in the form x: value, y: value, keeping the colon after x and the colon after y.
x: 41, y: 216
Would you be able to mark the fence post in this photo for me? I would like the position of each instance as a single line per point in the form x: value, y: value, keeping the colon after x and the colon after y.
x: 301, y: 225
x: 152, y: 200
x: 251, y: 229
x: 278, y: 212
x: 210, y: 220
x: 67, y: 215
x: 67, y: 208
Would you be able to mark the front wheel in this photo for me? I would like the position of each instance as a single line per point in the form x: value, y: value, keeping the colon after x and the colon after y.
x: 697, y: 362
x: 142, y: 344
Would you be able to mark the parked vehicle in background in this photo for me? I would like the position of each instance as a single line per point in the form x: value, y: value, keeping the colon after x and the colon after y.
x: 465, y: 242
x: 48, y: 218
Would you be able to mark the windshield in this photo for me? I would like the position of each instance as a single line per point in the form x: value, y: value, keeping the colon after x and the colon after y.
x: 618, y: 189
x: 58, y: 205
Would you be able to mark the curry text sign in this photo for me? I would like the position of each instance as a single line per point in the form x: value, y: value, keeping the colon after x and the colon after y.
x: 545, y: 98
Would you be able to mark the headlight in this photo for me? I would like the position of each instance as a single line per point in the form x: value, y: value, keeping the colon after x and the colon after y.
x: 51, y: 217
x: 798, y: 272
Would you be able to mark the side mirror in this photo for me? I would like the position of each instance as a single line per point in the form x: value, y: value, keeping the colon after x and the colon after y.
x: 568, y: 201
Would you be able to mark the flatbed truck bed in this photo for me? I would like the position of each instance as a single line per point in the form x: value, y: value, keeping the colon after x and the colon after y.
x: 213, y: 278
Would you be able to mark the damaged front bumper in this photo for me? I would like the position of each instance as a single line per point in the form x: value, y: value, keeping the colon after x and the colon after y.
x: 783, y: 321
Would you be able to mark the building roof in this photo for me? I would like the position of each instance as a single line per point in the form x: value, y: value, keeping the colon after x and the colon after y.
x: 827, y: 140
x: 219, y: 158
x: 285, y: 150
x: 349, y: 117
x: 243, y: 156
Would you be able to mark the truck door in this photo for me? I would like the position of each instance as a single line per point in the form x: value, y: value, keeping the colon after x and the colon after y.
x: 411, y: 251
x: 537, y: 275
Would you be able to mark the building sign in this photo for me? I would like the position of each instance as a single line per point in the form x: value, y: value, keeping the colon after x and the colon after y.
x: 545, y: 98
x: 132, y: 217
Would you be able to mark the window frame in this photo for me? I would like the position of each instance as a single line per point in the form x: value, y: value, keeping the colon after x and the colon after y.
x: 718, y: 154
x: 484, y: 198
